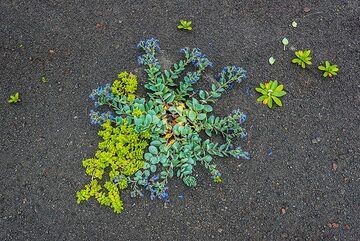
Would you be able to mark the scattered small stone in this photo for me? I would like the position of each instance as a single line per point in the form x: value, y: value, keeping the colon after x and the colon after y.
x: 346, y: 227
x: 306, y: 9
x: 60, y: 89
x: 316, y: 140
x: 333, y: 225
x: 100, y: 26
x: 149, y: 214
x: 334, y: 167
x: 51, y: 51
x: 283, y: 210
x: 220, y: 230
x: 269, y: 152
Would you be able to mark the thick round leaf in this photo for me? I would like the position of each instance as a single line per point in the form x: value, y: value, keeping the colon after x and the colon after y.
x: 147, y: 156
x: 153, y: 168
x: 153, y: 150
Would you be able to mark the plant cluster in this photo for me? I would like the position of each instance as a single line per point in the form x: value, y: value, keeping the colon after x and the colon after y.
x: 14, y: 98
x: 271, y: 92
x: 185, y: 25
x: 303, y: 59
x: 170, y: 121
x: 329, y: 69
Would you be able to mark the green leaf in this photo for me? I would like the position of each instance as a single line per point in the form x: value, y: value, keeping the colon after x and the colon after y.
x: 270, y: 103
x: 277, y: 100
x: 154, y: 160
x: 153, y: 168
x: 147, y: 156
x: 261, y: 98
x: 279, y: 93
x: 264, y: 92
x: 274, y: 84
x: 271, y: 60
x: 294, y: 24
x: 192, y: 115
x: 202, y: 94
x: 208, y: 108
x: 181, y: 119
x: 279, y: 88
x: 201, y: 116
x: 153, y: 150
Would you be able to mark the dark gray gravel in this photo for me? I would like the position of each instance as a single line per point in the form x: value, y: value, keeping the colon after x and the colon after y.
x: 295, y: 193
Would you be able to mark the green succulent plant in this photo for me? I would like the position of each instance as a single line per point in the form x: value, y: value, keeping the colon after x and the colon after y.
x: 14, y: 98
x: 271, y: 92
x: 302, y: 58
x: 329, y: 69
x: 185, y: 25
x: 149, y: 141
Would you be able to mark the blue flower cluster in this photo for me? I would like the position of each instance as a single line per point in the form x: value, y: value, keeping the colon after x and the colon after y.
x: 192, y: 77
x: 98, y: 118
x: 101, y: 95
x: 198, y: 59
x: 150, y: 46
x: 237, y: 114
x: 232, y: 74
x: 241, y: 154
x: 151, y: 182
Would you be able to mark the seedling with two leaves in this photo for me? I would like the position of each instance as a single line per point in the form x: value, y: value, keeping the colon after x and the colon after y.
x: 185, y: 25
x: 271, y: 92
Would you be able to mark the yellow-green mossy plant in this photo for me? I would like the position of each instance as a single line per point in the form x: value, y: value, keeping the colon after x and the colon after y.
x: 119, y: 155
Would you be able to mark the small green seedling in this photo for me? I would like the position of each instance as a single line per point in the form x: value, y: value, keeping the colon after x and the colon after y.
x: 44, y: 79
x: 271, y: 91
x: 302, y: 58
x: 285, y: 42
x: 329, y: 70
x: 186, y: 25
x: 14, y: 98
x: 272, y: 60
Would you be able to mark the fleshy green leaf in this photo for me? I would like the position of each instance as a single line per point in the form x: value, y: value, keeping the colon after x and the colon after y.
x: 276, y: 100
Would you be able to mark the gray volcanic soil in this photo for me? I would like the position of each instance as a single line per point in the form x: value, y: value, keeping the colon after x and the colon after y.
x: 302, y: 182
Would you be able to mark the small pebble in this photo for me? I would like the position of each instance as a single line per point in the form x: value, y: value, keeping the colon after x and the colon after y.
x: 316, y: 140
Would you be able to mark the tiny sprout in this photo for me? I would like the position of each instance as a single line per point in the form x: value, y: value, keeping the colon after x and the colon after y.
x: 186, y: 25
x: 329, y: 70
x: 270, y: 92
x: 285, y: 42
x: 44, y: 79
x: 271, y: 60
x: 302, y: 58
x: 14, y: 98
